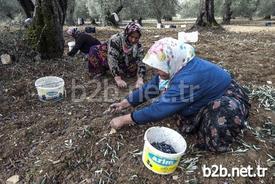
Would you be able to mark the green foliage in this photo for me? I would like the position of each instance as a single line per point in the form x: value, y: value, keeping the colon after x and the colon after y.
x: 266, y: 7
x: 9, y: 9
x: 131, y: 9
x: 33, y: 32
x: 80, y: 9
x: 161, y: 8
x: 240, y: 8
x: 149, y: 8
x: 94, y: 8
x: 135, y: 9
x: 219, y: 8
x: 244, y: 8
x: 190, y: 8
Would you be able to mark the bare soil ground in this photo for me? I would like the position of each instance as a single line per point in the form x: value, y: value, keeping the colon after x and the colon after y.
x: 66, y: 142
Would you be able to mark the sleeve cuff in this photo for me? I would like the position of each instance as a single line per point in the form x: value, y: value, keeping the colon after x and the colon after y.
x: 130, y: 102
x: 132, y: 117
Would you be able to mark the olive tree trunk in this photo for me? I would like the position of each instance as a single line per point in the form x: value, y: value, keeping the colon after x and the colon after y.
x: 206, y: 16
x: 46, y: 32
x: 227, y: 13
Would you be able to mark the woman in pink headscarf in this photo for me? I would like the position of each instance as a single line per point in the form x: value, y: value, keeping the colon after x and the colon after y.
x: 122, y: 54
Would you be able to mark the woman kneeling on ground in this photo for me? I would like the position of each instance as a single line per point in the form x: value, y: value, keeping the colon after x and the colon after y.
x: 204, y: 97
x: 122, y: 54
x: 83, y: 41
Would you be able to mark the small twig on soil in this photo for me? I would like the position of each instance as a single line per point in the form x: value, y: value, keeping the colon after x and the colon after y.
x: 189, y: 164
x: 100, y: 140
x: 119, y: 144
x: 133, y: 177
x: 240, y: 150
x: 99, y: 171
x: 135, y: 153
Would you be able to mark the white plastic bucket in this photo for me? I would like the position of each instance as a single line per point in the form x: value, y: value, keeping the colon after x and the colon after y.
x: 71, y: 45
x: 50, y: 88
x: 188, y: 37
x: 167, y: 26
x: 158, y: 161
x: 159, y: 25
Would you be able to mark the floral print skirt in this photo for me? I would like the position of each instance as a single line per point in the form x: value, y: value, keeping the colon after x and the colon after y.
x: 98, y: 63
x: 218, y: 123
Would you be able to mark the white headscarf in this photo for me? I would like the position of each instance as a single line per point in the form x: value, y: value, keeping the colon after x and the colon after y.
x: 169, y: 55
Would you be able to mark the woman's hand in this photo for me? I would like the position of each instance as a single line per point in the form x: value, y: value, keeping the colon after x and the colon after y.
x: 116, y: 107
x: 121, y: 121
x: 120, y: 83
x: 139, y: 82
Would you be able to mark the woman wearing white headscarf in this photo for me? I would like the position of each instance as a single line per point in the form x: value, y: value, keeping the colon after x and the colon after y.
x: 203, y: 95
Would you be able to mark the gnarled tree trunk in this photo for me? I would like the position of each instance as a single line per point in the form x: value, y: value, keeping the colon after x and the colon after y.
x: 227, y: 13
x: 206, y: 16
x: 46, y: 32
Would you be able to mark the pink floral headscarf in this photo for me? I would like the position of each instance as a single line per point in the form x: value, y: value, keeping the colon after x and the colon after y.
x: 169, y: 55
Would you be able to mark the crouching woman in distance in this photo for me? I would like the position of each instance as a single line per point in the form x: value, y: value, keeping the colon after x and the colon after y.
x: 83, y: 41
x: 204, y: 97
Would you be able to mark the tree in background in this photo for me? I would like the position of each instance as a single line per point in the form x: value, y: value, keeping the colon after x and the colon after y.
x: 135, y: 9
x: 103, y: 10
x: 245, y: 8
x: 170, y: 10
x: 227, y: 12
x: 159, y: 9
x: 206, y: 17
x: 266, y: 8
x: 46, y: 31
x: 81, y: 9
x: 93, y: 7
x: 8, y: 9
x: 70, y: 13
x: 190, y: 8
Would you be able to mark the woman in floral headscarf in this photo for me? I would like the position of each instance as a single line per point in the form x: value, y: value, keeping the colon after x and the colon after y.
x: 204, y: 97
x: 122, y: 54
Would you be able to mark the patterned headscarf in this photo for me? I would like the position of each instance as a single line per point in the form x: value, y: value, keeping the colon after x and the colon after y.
x: 169, y: 55
x: 73, y: 31
x: 132, y: 27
